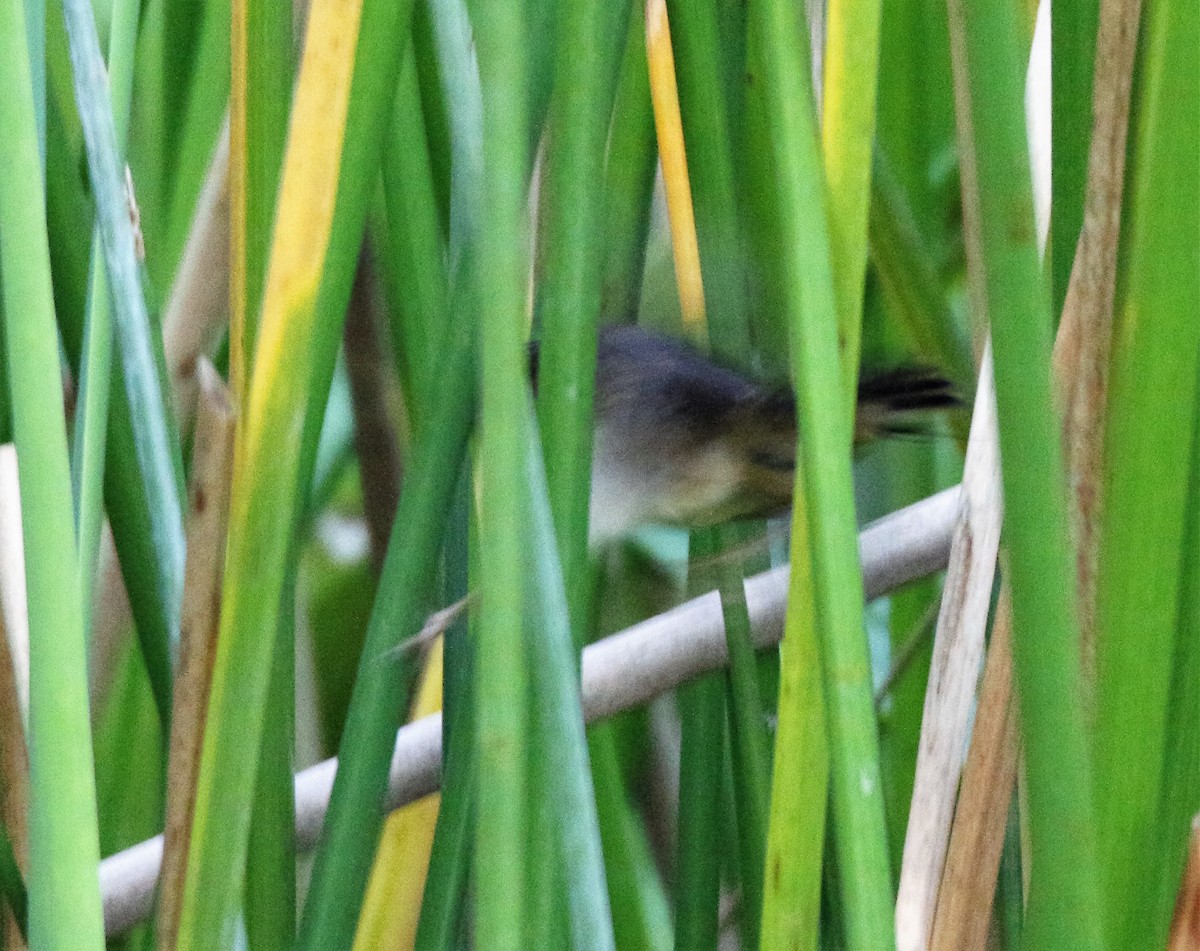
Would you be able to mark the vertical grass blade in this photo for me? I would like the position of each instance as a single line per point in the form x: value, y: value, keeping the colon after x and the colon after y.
x: 418, y: 242
x: 5, y: 410
x: 629, y: 178
x: 35, y: 31
x: 1063, y: 908
x: 708, y: 126
x: 1072, y: 58
x: 1180, y: 792
x: 64, y: 893
x: 749, y: 741
x: 149, y: 569
x: 445, y: 885
x: 641, y: 918
x: 192, y: 122
x: 851, y: 62
x: 95, y: 371
x: 568, y: 296
x: 1144, y: 523
x: 335, y: 133
x: 714, y: 563
x: 800, y: 785
x: 352, y: 825
x: 450, y: 49
x: 762, y: 213
x: 810, y: 307
x: 148, y: 572
x: 271, y: 860
x: 589, y: 43
x: 702, y: 703
x: 69, y: 214
x: 701, y: 759
x: 433, y: 105
x: 542, y: 23
x: 501, y: 689
x: 910, y: 284
x: 15, y: 919
x: 558, y: 718
x: 795, y: 845
x: 261, y: 70
x: 153, y: 443
x: 90, y: 432
x: 392, y: 903
x: 196, y: 311
x: 456, y: 58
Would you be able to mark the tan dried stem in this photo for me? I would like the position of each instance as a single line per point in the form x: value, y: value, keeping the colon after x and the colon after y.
x: 1185, y: 926
x: 196, y: 311
x: 198, y: 307
x: 620, y: 672
x: 208, y: 495
x: 1080, y: 370
x: 1084, y: 344
x: 953, y: 674
x: 977, y: 836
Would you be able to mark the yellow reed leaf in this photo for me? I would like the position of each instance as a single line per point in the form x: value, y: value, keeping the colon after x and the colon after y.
x: 308, y: 192
x: 664, y: 92
x: 392, y: 905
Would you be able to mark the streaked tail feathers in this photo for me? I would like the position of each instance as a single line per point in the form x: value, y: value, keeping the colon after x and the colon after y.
x: 897, y: 402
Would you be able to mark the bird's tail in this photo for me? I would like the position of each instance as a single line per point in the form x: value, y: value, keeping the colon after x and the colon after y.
x: 893, y: 403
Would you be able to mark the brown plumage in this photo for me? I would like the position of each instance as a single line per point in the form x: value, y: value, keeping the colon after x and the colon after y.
x: 682, y: 440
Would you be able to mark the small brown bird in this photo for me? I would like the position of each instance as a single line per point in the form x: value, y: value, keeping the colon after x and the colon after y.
x: 681, y: 440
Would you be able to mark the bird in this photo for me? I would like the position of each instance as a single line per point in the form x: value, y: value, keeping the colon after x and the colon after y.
x: 683, y: 440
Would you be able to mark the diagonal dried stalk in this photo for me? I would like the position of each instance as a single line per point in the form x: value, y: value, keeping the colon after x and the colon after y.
x: 1080, y: 363
x: 199, y: 303
x: 973, y: 857
x: 954, y: 673
x: 209, y: 509
x: 1081, y: 354
x: 620, y: 672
